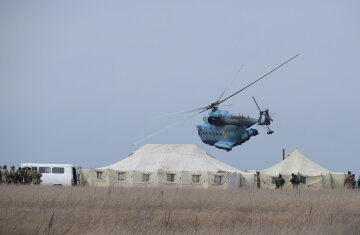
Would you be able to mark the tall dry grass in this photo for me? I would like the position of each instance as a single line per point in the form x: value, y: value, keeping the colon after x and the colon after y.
x: 86, y: 210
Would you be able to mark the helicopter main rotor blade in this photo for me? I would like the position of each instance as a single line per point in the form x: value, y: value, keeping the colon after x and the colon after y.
x: 176, y: 114
x: 163, y: 129
x: 206, y: 109
x: 257, y: 80
x: 155, y: 133
x: 210, y: 107
x: 256, y: 104
x: 232, y: 81
x: 225, y: 105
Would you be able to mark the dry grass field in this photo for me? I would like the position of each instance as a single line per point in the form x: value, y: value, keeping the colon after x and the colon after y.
x: 86, y: 210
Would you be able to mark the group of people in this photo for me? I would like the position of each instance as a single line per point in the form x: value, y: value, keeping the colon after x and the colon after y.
x: 279, y: 181
x: 350, y: 181
x: 21, y: 176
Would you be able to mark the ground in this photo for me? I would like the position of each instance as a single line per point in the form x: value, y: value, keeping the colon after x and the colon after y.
x: 89, y: 210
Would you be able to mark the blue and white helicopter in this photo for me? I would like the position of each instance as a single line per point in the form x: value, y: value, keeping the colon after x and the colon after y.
x: 225, y: 131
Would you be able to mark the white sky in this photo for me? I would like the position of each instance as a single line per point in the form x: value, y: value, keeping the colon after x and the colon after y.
x: 79, y: 80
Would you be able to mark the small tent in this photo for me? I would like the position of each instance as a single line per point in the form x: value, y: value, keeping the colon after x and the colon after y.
x: 169, y: 165
x: 311, y: 174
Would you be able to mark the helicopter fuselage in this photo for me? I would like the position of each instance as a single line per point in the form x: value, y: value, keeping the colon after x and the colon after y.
x: 225, y: 131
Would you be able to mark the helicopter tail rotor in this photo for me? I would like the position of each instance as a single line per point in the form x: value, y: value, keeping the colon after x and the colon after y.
x: 267, y: 116
x: 263, y: 113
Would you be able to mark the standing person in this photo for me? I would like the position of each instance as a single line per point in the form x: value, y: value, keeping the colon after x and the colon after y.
x: 29, y: 176
x: 36, y: 176
x: 348, y: 180
x: 13, y: 177
x: 25, y: 175
x: 19, y: 175
x: 1, y: 179
x: 358, y: 182
x: 279, y: 182
x: 258, y: 182
x: 294, y: 180
x: 5, y: 177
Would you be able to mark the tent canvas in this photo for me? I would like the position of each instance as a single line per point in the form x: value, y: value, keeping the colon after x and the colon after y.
x: 172, y: 165
x: 311, y: 174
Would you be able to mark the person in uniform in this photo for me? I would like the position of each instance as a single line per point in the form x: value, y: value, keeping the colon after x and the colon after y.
x: 258, y: 182
x: 24, y: 175
x: 13, y: 177
x: 19, y: 175
x: 279, y: 182
x: 348, y: 180
x: 5, y: 177
x: 358, y: 182
x: 36, y: 176
x: 294, y: 180
x: 28, y: 176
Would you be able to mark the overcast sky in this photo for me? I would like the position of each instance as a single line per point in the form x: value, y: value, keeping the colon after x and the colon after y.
x: 79, y: 80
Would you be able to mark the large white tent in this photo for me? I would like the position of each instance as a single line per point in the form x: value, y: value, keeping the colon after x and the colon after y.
x: 173, y: 165
x: 311, y: 174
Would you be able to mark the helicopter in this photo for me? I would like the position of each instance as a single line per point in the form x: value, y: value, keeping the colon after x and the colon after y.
x: 223, y: 130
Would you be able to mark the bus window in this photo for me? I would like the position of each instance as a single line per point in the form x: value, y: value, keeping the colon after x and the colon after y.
x: 58, y: 170
x: 45, y: 169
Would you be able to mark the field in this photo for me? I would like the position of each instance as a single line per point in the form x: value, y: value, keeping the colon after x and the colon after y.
x: 86, y: 210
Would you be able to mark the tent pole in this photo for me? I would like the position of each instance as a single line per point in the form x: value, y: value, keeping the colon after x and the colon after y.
x: 283, y: 154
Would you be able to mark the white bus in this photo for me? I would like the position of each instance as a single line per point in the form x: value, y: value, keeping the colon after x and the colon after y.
x: 55, y: 174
